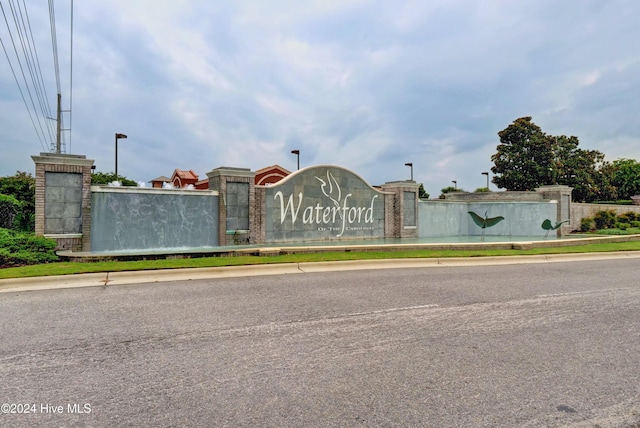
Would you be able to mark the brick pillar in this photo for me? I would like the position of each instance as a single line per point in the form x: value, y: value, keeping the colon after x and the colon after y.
x: 63, y: 199
x: 237, y: 216
x: 401, y: 216
x: 258, y: 228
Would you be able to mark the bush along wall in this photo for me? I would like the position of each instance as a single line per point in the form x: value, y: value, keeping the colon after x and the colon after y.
x: 22, y: 248
x: 607, y: 219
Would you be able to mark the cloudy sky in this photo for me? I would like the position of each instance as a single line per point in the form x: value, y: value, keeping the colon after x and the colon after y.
x: 368, y: 85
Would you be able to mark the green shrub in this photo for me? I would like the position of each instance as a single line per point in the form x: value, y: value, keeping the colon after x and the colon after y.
x: 586, y: 224
x: 635, y: 223
x: 628, y: 217
x: 605, y: 219
x: 623, y: 226
x: 24, y: 221
x: 22, y: 248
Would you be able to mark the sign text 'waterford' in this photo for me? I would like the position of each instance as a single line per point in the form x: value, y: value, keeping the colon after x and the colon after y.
x: 326, y: 217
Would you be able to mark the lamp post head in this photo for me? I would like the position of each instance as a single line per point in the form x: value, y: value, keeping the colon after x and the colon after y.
x: 410, y: 165
x: 120, y: 136
x: 297, y: 153
x: 487, y: 174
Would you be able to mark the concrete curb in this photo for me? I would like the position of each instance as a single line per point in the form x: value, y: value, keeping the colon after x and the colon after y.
x: 107, y: 279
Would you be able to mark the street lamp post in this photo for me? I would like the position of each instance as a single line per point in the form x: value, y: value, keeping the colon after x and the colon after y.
x: 297, y: 153
x: 410, y: 165
x: 118, y: 137
x: 487, y: 174
x: 455, y: 184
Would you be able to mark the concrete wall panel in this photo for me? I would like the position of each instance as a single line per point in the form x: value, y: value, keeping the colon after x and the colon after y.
x: 152, y: 219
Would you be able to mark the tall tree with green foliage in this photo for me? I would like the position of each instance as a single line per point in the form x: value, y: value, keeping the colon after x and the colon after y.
x: 22, y: 187
x: 626, y: 177
x: 9, y: 208
x: 527, y: 158
x: 524, y: 158
x: 584, y: 170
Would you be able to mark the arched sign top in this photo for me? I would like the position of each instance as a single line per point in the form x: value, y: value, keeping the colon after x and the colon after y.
x: 323, y: 202
x: 321, y: 167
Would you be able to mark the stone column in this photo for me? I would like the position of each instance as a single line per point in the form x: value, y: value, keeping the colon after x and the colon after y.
x: 562, y: 194
x: 63, y: 199
x: 236, y: 204
x: 402, y: 217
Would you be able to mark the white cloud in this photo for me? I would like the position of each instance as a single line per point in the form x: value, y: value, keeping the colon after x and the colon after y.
x: 366, y: 84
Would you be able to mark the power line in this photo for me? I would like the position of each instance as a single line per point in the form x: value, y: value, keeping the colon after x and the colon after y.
x: 54, y: 43
x: 71, y: 81
x: 35, y: 73
x: 23, y: 74
x: 32, y: 86
x: 36, y: 62
x: 22, y: 94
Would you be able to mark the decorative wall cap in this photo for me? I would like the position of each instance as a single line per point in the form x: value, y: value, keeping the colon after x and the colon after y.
x: 309, y: 168
x: 231, y: 171
x: 62, y: 159
x: 554, y: 187
x: 149, y: 190
x: 406, y: 184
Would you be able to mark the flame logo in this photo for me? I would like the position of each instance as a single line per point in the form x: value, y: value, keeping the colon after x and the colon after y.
x: 333, y: 192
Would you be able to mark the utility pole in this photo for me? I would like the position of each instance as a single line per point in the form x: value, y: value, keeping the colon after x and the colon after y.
x: 58, y: 130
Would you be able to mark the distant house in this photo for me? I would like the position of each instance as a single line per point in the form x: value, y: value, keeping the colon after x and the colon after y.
x: 159, y: 182
x: 270, y: 175
x: 182, y: 179
x: 202, y: 184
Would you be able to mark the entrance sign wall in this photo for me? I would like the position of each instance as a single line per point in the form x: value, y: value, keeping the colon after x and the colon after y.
x: 315, y: 204
x: 323, y: 203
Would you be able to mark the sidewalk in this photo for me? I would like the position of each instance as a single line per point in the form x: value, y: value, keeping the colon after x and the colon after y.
x: 108, y: 279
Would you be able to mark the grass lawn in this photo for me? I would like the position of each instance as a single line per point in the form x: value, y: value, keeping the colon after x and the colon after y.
x: 69, y: 268
x: 629, y: 231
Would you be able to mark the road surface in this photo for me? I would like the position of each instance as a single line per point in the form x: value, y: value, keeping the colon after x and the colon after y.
x: 524, y: 345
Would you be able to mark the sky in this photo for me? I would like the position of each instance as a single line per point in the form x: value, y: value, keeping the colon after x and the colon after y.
x: 366, y: 85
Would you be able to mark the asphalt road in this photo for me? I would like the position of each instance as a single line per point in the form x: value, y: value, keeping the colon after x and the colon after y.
x: 524, y: 345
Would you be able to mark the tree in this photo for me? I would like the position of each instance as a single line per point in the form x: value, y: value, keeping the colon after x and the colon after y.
x: 105, y: 178
x: 9, y: 208
x: 584, y: 170
x: 524, y: 158
x: 626, y: 177
x: 422, y: 194
x: 606, y: 191
x: 527, y: 158
x: 21, y: 186
x: 449, y: 189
